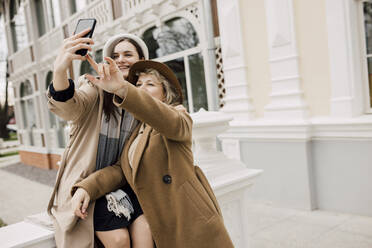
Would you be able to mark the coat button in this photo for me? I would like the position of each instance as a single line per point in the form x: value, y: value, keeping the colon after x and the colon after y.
x: 167, y: 179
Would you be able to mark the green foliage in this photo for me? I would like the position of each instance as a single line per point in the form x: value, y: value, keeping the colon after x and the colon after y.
x: 2, y: 223
x: 8, y: 154
x: 12, y: 136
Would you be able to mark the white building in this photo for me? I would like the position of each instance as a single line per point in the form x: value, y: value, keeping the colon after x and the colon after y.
x: 295, y: 76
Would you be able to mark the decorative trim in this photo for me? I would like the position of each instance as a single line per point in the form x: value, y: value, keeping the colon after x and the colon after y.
x: 315, y: 129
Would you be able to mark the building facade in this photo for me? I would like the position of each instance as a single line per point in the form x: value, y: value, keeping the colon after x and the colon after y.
x: 295, y: 75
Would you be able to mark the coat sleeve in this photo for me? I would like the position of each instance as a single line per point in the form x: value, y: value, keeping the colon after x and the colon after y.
x: 167, y: 120
x: 102, y: 181
x: 78, y: 106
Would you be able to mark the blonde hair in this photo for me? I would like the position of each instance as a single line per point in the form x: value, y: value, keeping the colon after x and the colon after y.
x: 171, y: 95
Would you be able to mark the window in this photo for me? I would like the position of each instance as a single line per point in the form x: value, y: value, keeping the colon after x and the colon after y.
x: 77, y: 5
x: 27, y: 108
x: 176, y: 43
x: 18, y: 26
x: 39, y: 9
x: 54, y: 13
x: 117, y: 8
x: 367, y: 26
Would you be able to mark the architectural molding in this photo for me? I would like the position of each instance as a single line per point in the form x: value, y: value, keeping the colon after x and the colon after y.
x: 234, y: 64
x: 286, y: 98
x: 325, y: 128
x: 345, y: 58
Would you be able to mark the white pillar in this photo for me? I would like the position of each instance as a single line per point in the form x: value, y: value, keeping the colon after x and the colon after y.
x: 286, y: 95
x: 344, y: 57
x: 238, y: 97
x: 230, y: 179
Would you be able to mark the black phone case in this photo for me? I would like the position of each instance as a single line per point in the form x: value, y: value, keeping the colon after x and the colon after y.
x: 83, y: 52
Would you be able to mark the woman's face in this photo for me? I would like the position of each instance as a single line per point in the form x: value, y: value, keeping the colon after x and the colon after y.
x: 151, y: 85
x: 125, y: 55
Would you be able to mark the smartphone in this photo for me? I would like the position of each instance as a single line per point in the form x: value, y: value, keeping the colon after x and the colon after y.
x: 82, y: 25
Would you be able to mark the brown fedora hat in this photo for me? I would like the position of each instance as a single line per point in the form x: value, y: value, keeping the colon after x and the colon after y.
x: 162, y: 68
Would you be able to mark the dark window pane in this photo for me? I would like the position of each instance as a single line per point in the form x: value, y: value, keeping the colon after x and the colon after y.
x: 49, y: 79
x: 98, y: 56
x: 151, y: 43
x: 86, y: 68
x: 370, y: 80
x: 175, y: 35
x: 178, y: 67
x: 367, y: 9
x: 199, y: 92
x: 40, y: 17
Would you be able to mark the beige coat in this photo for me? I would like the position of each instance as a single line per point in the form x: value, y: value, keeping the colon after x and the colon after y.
x: 84, y: 111
x: 175, y: 196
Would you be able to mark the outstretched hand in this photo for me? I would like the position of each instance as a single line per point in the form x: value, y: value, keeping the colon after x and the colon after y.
x: 110, y: 77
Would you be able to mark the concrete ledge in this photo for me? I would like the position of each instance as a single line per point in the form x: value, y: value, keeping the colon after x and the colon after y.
x: 28, y: 235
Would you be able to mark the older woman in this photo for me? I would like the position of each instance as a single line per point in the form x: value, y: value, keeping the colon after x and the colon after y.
x: 157, y: 161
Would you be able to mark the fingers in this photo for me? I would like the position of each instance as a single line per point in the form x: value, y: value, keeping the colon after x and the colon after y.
x: 71, y: 43
x: 112, y: 64
x: 85, y: 205
x: 92, y: 62
x: 92, y: 79
x: 100, y: 71
x: 77, y: 56
x: 106, y: 70
x: 78, y: 47
x: 81, y: 34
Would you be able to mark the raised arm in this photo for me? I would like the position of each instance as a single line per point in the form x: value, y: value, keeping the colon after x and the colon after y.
x: 63, y: 99
x: 173, y: 123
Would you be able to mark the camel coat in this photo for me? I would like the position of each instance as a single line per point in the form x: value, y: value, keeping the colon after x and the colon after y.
x: 175, y: 196
x: 84, y: 111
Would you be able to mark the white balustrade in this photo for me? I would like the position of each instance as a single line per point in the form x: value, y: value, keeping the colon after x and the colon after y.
x: 229, y: 178
x: 21, y: 59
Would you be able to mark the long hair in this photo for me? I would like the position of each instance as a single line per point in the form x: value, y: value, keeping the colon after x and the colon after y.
x: 108, y: 106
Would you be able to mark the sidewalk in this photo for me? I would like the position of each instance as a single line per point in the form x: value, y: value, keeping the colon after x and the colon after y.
x: 272, y: 227
x: 20, y: 197
x: 269, y: 227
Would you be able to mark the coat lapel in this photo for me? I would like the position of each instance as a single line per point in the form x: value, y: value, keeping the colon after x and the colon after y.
x: 140, y: 149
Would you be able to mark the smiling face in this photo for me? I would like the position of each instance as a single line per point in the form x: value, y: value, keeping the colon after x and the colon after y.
x: 151, y: 84
x: 125, y: 55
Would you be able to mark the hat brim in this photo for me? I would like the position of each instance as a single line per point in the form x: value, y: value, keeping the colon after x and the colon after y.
x: 113, y: 41
x: 162, y: 68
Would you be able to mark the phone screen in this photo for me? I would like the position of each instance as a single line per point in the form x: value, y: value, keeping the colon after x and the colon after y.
x: 85, y: 24
x: 82, y: 25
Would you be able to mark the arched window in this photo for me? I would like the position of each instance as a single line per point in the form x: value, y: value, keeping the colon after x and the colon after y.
x: 18, y: 25
x: 176, y: 43
x: 49, y: 79
x: 40, y: 16
x: 54, y: 13
x: 27, y: 107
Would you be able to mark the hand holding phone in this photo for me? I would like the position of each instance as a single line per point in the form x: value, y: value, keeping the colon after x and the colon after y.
x: 82, y: 25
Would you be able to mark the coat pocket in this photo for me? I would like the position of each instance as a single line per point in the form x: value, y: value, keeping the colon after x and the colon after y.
x: 196, y: 200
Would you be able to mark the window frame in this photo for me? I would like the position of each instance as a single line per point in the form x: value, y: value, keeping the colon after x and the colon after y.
x: 185, y: 56
x: 367, y: 86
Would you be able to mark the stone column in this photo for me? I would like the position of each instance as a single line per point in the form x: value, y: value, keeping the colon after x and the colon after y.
x: 238, y: 98
x: 344, y: 54
x: 286, y: 95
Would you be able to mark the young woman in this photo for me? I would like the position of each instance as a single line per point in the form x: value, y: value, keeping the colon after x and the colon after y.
x: 98, y: 132
x: 157, y: 161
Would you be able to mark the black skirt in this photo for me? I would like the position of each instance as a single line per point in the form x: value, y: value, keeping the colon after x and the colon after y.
x: 105, y: 220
